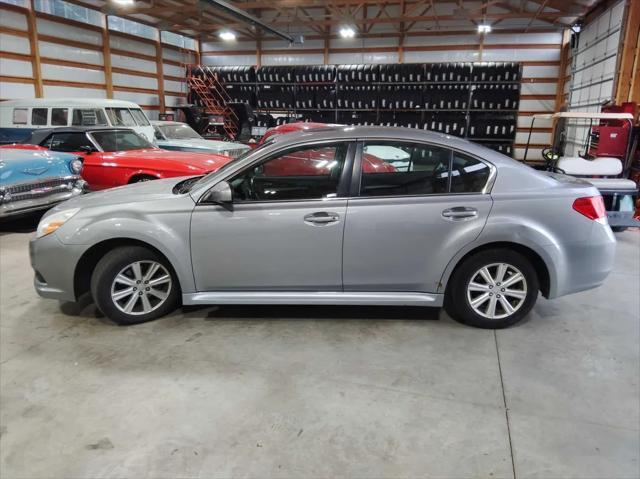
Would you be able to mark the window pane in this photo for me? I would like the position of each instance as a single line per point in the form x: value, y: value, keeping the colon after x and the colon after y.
x: 68, y: 141
x: 468, y: 175
x: 89, y: 117
x: 133, y: 28
x: 20, y: 116
x: 59, y: 116
x: 177, y: 40
x: 398, y: 168
x: 39, y: 116
x: 300, y: 174
x: 120, y: 140
x: 140, y: 117
x: 69, y: 10
x: 120, y: 117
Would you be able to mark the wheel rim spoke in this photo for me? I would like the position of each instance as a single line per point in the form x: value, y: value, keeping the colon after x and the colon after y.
x: 513, y: 280
x: 486, y: 275
x: 495, y: 296
x: 480, y: 300
x: 131, y: 303
x: 137, y: 271
x: 514, y: 293
x: 122, y: 279
x: 478, y: 287
x: 161, y: 280
x: 144, y: 292
x: 124, y: 293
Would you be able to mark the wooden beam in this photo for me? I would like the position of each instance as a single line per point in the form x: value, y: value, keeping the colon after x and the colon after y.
x: 106, y: 56
x: 564, y: 60
x: 35, y: 51
x: 160, y: 72
x: 628, y: 63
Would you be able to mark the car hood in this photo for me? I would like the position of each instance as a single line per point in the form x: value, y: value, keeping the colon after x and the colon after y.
x: 201, y: 143
x: 27, y: 165
x: 155, y: 190
x: 199, y: 162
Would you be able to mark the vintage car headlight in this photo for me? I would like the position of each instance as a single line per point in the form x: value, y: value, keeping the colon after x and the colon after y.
x: 75, y: 166
x: 51, y: 223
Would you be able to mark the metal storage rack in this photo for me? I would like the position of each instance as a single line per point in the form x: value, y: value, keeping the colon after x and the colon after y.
x: 382, y: 95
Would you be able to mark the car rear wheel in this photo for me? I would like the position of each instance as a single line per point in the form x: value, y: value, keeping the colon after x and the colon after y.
x: 492, y: 289
x: 133, y: 284
x: 142, y: 179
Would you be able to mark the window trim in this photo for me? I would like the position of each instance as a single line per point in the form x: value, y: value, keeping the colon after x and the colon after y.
x: 343, y: 183
x: 357, y: 171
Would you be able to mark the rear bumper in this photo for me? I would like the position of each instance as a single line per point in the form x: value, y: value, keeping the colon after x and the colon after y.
x: 586, y: 264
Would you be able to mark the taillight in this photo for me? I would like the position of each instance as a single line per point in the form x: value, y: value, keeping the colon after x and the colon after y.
x: 591, y: 206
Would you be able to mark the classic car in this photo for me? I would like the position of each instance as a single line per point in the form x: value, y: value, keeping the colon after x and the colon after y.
x: 173, y: 135
x: 36, y: 179
x: 119, y: 156
x: 461, y: 226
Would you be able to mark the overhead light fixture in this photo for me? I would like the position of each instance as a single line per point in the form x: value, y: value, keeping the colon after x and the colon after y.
x: 124, y: 2
x: 576, y: 27
x: 347, y: 32
x: 482, y: 28
x: 227, y: 35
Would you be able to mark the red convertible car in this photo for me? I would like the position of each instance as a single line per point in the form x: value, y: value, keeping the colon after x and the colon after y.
x: 118, y: 156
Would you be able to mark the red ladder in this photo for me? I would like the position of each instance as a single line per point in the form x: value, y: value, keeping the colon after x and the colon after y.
x: 214, y: 98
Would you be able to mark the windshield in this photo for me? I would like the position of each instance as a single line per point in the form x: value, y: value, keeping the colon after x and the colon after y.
x: 120, y: 140
x: 179, y: 131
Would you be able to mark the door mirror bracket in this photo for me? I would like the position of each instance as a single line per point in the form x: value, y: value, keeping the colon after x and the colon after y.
x: 220, y: 194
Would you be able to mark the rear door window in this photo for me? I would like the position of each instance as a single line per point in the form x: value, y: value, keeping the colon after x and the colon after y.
x: 468, y: 175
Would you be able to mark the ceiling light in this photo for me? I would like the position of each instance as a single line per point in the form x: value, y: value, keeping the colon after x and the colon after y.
x: 124, y: 2
x: 576, y: 27
x: 227, y: 36
x: 484, y: 28
x: 347, y: 32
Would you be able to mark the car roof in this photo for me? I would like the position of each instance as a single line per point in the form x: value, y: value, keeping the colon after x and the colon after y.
x: 68, y: 102
x: 166, y: 122
x: 387, y: 133
x: 39, y: 134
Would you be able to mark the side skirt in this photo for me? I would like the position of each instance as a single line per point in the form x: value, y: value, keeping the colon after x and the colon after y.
x: 303, y: 297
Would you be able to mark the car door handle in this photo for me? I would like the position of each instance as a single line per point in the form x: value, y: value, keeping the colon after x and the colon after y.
x: 321, y: 217
x: 460, y: 213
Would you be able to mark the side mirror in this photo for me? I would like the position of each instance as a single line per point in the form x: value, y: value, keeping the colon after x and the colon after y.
x: 220, y: 194
x: 87, y: 149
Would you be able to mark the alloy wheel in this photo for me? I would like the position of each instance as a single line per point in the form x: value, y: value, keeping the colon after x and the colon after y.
x: 141, y: 287
x: 497, y: 290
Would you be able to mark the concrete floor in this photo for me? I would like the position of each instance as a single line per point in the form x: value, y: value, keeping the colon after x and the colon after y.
x: 320, y: 391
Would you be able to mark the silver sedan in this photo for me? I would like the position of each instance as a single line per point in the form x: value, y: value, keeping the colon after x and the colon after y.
x: 342, y: 215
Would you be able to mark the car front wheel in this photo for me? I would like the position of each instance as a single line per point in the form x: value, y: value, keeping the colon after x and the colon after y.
x: 492, y: 289
x: 133, y: 284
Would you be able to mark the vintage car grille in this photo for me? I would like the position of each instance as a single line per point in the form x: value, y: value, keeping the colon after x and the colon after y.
x: 39, y: 189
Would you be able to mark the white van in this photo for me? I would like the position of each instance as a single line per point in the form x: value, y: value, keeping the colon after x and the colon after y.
x: 35, y: 113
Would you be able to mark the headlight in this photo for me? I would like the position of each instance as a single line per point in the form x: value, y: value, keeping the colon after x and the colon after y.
x: 75, y: 166
x: 51, y: 223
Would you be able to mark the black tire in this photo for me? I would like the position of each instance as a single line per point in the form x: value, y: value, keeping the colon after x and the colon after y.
x: 111, y: 265
x: 618, y: 229
x: 457, y: 302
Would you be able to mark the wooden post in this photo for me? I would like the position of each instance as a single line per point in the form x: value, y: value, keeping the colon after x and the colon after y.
x: 106, y: 54
x: 35, y: 51
x: 565, y: 47
x: 629, y: 64
x: 259, y: 51
x: 160, y: 74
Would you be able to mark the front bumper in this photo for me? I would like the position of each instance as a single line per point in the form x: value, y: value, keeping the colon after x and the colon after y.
x: 28, y: 205
x: 54, y: 265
